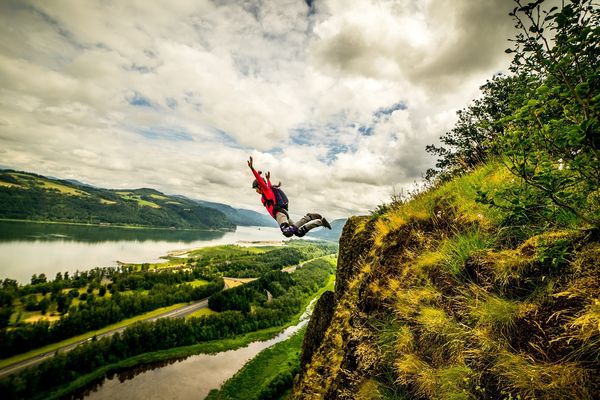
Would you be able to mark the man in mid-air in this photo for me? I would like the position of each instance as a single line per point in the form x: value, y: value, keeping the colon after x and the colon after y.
x: 276, y: 203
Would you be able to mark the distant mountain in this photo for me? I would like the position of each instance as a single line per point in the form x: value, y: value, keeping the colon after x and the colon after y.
x: 239, y: 216
x: 332, y: 235
x: 28, y: 196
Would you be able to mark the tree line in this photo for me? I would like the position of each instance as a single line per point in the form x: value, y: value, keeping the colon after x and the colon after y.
x: 542, y: 121
x: 251, y: 265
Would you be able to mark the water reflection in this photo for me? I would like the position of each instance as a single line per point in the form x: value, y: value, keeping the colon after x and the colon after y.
x: 29, y: 248
x: 122, y: 376
x: 29, y: 231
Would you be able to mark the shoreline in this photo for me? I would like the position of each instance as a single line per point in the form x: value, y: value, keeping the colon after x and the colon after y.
x: 110, y: 225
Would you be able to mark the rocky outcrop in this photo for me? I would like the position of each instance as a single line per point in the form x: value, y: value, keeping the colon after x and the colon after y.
x: 318, y: 324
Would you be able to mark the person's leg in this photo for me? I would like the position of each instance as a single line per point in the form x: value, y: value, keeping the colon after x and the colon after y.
x: 307, y: 218
x: 285, y: 224
x: 303, y: 230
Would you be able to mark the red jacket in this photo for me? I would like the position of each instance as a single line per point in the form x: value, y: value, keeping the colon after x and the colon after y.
x: 268, y: 197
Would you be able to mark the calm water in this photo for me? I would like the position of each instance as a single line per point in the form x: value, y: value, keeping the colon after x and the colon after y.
x: 190, y: 378
x: 30, y: 248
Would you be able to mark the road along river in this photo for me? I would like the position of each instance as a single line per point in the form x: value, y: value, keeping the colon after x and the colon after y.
x: 191, y: 378
x: 177, y: 313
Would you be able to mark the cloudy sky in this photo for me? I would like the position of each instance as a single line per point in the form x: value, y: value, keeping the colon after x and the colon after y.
x: 337, y: 98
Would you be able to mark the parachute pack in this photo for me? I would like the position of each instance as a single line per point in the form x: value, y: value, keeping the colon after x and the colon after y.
x: 281, y: 199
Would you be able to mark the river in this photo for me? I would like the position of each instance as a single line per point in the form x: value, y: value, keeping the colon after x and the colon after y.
x: 35, y: 248
x: 191, y: 378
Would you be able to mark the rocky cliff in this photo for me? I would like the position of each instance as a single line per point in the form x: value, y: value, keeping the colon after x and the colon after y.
x: 436, y: 299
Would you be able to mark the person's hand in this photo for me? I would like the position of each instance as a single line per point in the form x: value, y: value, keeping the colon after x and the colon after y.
x: 268, y: 175
x: 250, y: 163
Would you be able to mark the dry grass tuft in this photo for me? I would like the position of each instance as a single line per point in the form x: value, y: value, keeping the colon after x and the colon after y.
x: 411, y: 370
x: 442, y: 338
x: 405, y: 341
x: 521, y: 374
x: 493, y: 311
x: 451, y: 382
x: 407, y: 301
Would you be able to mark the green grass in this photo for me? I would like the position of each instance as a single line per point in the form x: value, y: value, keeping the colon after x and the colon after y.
x: 229, y: 250
x: 136, y: 198
x: 196, y: 283
x: 54, y: 346
x: 28, y: 181
x: 270, y: 365
x: 201, y: 312
x: 457, y: 250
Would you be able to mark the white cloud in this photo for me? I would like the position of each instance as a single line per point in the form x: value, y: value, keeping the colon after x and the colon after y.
x: 176, y: 95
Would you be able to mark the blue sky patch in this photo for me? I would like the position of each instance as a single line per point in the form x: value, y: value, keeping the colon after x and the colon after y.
x: 385, y: 112
x: 170, y: 134
x: 139, y: 101
x: 302, y: 136
x: 333, y: 151
x: 366, y: 130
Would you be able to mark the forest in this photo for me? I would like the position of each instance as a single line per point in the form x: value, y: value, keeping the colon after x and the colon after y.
x: 90, y: 300
x: 290, y: 293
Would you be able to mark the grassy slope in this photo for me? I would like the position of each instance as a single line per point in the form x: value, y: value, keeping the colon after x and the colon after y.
x: 441, y: 307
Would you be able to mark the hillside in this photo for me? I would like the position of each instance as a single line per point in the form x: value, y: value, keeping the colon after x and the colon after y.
x: 27, y: 196
x: 332, y: 235
x: 240, y: 216
x: 435, y: 299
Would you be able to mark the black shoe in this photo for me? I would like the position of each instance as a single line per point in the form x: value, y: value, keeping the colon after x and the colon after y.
x: 313, y: 216
x: 325, y: 223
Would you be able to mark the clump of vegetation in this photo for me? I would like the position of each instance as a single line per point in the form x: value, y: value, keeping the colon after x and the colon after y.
x: 486, y: 285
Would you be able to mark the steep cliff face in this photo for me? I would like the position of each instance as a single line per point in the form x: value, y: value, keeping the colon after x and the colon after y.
x: 433, y: 301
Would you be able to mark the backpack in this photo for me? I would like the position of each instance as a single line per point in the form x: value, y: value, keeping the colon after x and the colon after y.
x: 281, y: 200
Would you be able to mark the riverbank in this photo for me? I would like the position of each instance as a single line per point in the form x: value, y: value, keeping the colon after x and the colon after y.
x: 119, y: 226
x: 268, y: 375
x: 28, y: 248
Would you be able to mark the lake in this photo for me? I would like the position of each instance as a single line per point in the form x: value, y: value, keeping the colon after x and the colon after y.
x: 33, y: 248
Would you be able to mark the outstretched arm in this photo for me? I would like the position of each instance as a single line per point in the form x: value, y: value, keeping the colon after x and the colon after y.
x: 259, y: 178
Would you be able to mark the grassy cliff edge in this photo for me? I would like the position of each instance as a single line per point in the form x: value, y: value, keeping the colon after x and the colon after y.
x: 435, y: 299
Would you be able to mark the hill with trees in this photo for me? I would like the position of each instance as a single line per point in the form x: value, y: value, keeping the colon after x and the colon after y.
x: 27, y: 196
